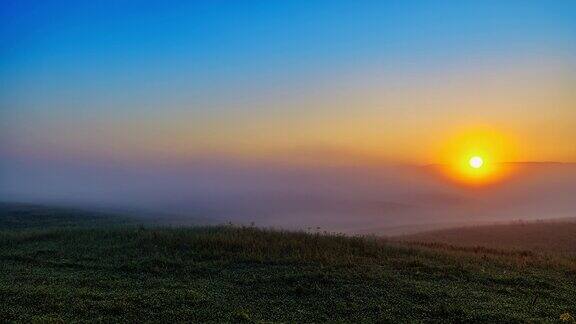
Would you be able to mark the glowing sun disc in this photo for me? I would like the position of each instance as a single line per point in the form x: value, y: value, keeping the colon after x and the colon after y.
x: 476, y: 162
x: 473, y: 156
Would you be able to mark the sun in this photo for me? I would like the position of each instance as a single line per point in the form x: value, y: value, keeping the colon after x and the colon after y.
x: 476, y: 162
x: 477, y: 156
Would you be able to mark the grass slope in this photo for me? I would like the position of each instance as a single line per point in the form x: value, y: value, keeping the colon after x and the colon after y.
x: 62, y: 264
x: 229, y: 274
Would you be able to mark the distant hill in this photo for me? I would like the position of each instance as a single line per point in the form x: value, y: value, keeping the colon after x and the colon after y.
x: 543, y: 236
x: 31, y: 216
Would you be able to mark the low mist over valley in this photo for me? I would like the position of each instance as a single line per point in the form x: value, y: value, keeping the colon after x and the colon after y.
x: 360, y: 199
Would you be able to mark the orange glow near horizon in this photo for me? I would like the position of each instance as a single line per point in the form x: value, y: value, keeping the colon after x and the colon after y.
x: 476, y: 157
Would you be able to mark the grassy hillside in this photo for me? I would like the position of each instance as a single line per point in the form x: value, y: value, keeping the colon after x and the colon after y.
x: 230, y: 274
x: 556, y: 237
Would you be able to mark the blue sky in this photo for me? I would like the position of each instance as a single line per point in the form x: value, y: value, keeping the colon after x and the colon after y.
x: 254, y: 34
x: 67, y: 62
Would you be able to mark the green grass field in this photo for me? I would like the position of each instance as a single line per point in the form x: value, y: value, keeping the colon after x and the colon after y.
x: 110, y: 272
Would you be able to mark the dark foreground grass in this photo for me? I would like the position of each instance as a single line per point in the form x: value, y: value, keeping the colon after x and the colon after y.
x: 229, y: 274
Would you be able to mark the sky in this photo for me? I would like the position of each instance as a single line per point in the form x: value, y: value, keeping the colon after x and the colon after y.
x: 285, y: 80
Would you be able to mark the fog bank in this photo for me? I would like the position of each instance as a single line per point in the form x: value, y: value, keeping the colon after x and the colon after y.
x: 351, y: 199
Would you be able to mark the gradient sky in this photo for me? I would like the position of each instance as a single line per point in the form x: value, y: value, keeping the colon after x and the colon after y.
x: 388, y: 80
